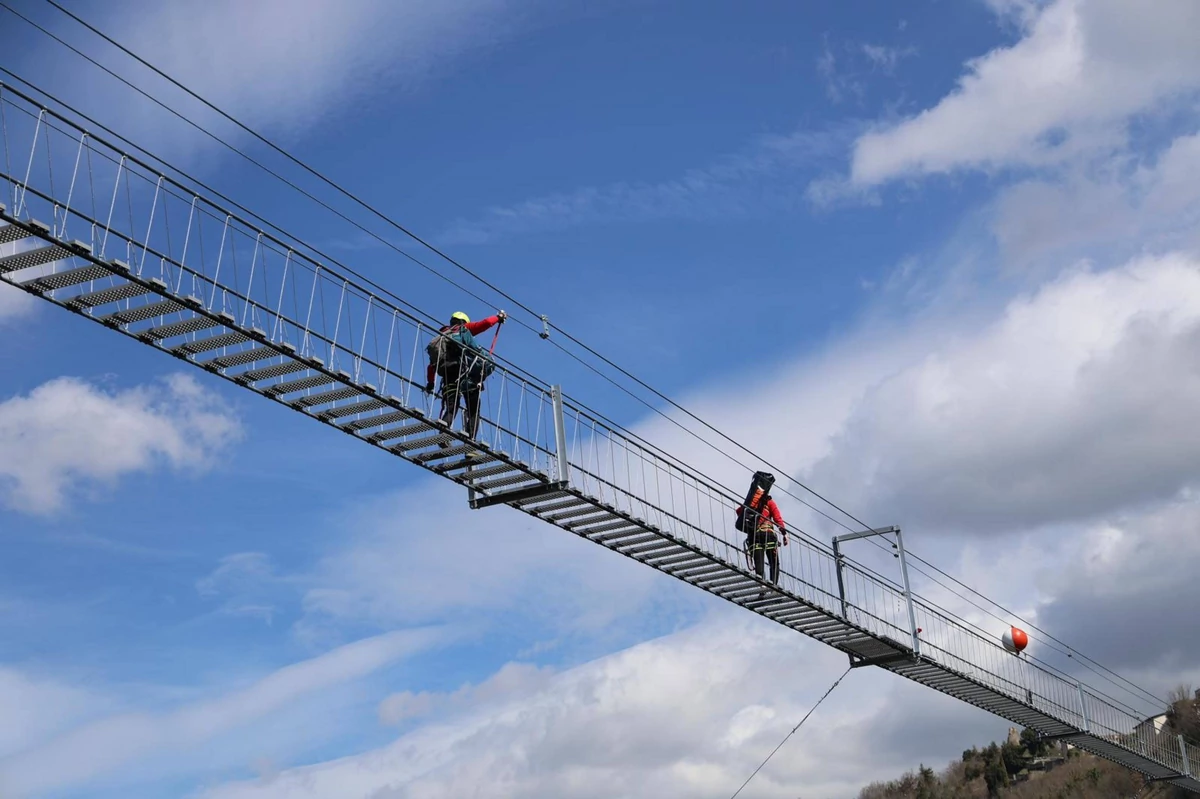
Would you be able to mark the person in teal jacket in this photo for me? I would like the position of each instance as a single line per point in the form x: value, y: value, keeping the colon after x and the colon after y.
x: 463, y: 365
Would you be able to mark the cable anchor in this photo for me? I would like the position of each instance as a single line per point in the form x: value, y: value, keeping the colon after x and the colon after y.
x: 545, y: 327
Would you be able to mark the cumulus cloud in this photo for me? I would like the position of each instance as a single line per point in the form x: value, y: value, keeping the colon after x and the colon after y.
x: 96, y: 749
x: 1075, y: 402
x: 512, y: 679
x: 34, y: 708
x: 1079, y: 71
x: 67, y: 436
x: 1110, y: 212
x: 281, y: 65
x: 422, y: 554
x: 690, y: 714
x: 1132, y: 592
x: 14, y: 303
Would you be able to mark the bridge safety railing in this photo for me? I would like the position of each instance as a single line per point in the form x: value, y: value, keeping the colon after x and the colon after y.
x: 124, y: 205
x: 166, y: 231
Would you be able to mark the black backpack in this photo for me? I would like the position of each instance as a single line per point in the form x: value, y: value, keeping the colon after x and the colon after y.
x: 445, y: 351
x: 747, y: 517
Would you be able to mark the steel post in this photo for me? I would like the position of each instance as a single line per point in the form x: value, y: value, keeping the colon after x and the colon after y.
x: 837, y: 562
x: 1187, y: 767
x: 912, y: 613
x: 562, y: 467
x: 1083, y: 707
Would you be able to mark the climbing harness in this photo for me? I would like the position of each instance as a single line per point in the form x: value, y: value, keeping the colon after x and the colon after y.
x: 793, y: 732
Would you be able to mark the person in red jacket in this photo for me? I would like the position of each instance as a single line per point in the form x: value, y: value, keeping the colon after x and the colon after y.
x: 762, y: 541
x: 463, y: 365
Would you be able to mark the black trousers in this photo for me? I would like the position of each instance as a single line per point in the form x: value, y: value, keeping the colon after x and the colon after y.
x: 764, y: 546
x: 454, y: 388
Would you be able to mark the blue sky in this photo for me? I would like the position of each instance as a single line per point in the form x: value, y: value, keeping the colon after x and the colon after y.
x: 938, y: 260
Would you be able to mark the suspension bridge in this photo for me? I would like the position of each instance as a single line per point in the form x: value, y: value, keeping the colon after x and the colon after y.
x: 100, y: 228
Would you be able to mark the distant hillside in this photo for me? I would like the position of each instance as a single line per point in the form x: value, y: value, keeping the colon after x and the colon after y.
x: 1025, y: 768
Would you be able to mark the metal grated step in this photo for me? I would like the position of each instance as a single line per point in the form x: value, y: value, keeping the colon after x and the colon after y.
x: 230, y: 339
x: 573, y: 502
x: 473, y: 463
x: 376, y: 421
x: 365, y: 406
x: 144, y: 312
x: 421, y: 443
x: 677, y: 560
x: 69, y: 277
x: 590, y: 510
x: 312, y: 400
x: 10, y: 234
x: 489, y: 485
x: 267, y: 372
x: 400, y: 432
x: 589, y: 526
x: 441, y: 454
x: 635, y: 552
x: 619, y: 524
x: 242, y: 358
x: 31, y: 258
x: 482, y: 474
x: 694, y: 573
x: 719, y: 579
x: 193, y: 325
x: 93, y: 299
x: 624, y: 538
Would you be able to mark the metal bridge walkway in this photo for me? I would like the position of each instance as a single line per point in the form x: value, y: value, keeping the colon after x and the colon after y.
x: 109, y: 234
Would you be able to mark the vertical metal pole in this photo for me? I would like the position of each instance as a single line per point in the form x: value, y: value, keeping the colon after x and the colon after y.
x: 1082, y: 707
x: 912, y: 613
x: 1187, y: 767
x: 563, y: 469
x: 837, y: 562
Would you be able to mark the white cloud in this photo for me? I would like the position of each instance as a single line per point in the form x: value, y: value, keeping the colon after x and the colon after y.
x: 1112, y: 213
x: 1082, y: 68
x: 308, y: 58
x: 887, y: 58
x: 246, y: 580
x: 761, y: 176
x: 67, y: 435
x: 14, y: 304
x: 1134, y: 571
x: 422, y: 554
x: 97, y: 749
x: 34, y: 708
x: 1075, y: 402
x: 511, y: 679
x: 690, y: 714
x: 838, y: 79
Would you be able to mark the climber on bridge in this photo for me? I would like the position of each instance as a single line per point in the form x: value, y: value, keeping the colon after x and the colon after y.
x: 758, y: 517
x: 463, y: 365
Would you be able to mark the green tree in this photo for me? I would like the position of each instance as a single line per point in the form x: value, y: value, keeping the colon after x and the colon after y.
x: 995, y: 776
x: 1183, y: 716
x: 1033, y: 743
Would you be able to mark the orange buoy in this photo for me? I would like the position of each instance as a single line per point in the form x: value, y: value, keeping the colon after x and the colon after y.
x: 1014, y: 640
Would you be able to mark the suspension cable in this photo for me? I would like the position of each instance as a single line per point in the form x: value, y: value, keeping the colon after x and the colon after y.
x: 793, y: 732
